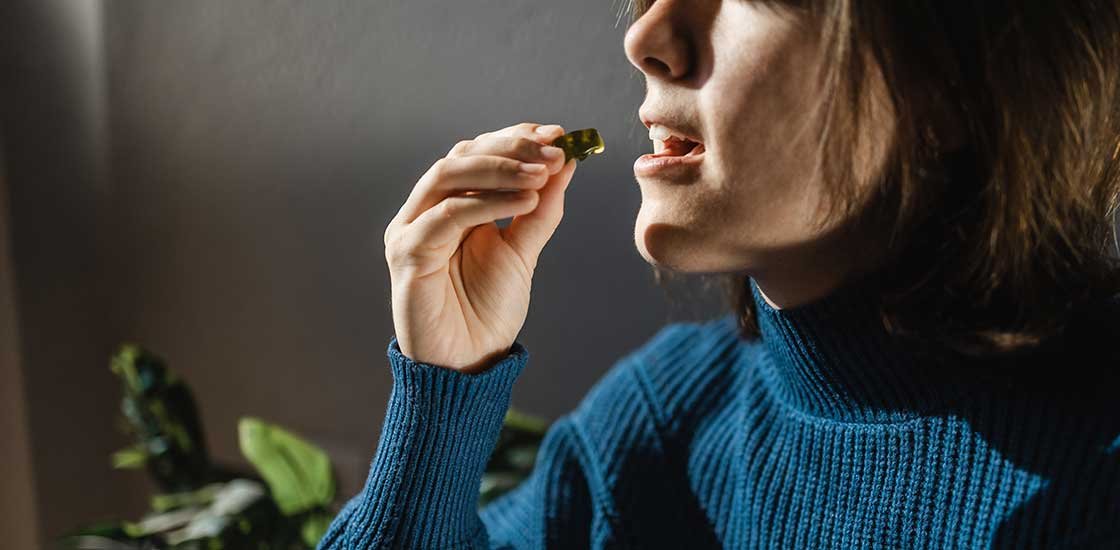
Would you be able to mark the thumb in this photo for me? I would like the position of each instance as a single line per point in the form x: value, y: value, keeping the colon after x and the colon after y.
x: 528, y: 233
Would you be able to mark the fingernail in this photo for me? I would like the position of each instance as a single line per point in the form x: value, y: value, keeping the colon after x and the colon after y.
x: 531, y: 168
x: 548, y: 129
x: 552, y: 153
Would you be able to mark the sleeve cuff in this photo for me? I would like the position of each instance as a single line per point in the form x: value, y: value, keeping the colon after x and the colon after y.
x: 440, y: 429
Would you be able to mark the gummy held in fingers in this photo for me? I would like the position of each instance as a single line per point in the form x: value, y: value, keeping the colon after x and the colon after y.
x: 580, y: 144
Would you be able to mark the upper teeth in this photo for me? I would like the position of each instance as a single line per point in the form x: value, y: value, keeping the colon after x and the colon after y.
x: 658, y: 132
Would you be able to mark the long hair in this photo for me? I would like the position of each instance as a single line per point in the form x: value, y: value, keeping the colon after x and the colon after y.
x: 994, y: 246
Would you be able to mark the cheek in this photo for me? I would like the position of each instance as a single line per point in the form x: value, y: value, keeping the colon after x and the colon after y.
x: 762, y: 208
x: 757, y: 104
x: 761, y: 131
x: 763, y: 175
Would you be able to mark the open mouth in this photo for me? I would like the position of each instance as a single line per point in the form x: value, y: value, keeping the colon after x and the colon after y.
x: 677, y: 147
x: 667, y: 143
x: 675, y: 158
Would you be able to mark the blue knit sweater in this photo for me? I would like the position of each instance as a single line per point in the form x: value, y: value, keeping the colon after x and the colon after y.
x: 824, y: 433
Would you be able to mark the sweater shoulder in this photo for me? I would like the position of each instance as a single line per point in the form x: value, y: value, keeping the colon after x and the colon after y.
x: 667, y: 383
x: 646, y: 372
x: 691, y: 368
x: 612, y: 447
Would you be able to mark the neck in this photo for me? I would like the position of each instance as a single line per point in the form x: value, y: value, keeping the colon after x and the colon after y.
x: 809, y: 272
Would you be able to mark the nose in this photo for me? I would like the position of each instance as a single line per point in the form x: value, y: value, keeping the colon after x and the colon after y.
x: 656, y: 43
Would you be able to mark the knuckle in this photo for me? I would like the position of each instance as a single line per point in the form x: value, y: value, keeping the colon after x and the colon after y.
x: 402, y: 261
x: 526, y: 147
x: 461, y: 147
x: 392, y: 254
x: 509, y: 166
x: 445, y: 210
x: 403, y: 252
x: 440, y: 168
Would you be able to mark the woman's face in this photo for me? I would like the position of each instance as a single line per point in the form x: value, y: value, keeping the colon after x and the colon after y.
x: 737, y: 75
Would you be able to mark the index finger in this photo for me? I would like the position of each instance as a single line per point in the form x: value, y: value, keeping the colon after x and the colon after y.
x: 543, y: 133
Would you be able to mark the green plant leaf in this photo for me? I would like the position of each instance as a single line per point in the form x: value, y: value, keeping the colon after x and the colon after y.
x: 517, y: 420
x: 130, y: 457
x: 314, y: 527
x: 116, y: 530
x: 171, y: 501
x: 522, y: 457
x: 123, y: 364
x: 298, y: 473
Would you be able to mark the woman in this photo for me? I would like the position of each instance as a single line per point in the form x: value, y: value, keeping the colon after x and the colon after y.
x: 913, y: 203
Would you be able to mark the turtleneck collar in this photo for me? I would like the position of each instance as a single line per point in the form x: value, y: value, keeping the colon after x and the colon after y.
x: 833, y: 358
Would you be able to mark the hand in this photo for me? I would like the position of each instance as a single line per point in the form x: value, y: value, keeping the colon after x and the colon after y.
x: 461, y: 284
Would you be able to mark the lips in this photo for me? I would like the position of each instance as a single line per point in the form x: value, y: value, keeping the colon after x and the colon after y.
x: 678, y: 163
x: 678, y: 152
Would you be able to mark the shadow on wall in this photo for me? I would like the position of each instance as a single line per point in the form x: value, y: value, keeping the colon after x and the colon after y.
x: 18, y: 516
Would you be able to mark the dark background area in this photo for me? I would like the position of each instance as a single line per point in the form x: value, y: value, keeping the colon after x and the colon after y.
x: 212, y: 179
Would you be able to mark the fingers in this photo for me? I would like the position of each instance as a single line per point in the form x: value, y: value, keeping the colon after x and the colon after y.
x: 451, y: 176
x: 468, y: 188
x: 440, y: 228
x: 515, y: 147
x: 528, y: 233
x: 527, y: 141
x: 541, y: 132
x: 474, y: 165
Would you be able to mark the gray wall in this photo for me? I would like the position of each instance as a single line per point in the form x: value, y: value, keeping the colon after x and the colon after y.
x: 18, y: 515
x: 52, y: 119
x: 212, y: 179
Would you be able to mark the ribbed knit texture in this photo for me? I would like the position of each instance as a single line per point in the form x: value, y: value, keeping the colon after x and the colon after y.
x: 826, y: 433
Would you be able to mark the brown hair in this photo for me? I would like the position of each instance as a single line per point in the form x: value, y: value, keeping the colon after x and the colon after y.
x: 996, y: 245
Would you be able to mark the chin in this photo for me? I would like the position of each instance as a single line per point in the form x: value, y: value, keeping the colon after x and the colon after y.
x: 670, y: 247
x: 686, y: 246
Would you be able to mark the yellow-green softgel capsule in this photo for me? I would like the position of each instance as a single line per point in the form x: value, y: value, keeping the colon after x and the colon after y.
x: 580, y: 144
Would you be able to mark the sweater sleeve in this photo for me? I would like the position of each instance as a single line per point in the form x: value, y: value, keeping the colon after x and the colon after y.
x: 440, y: 429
